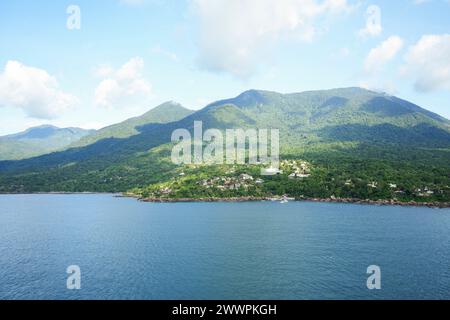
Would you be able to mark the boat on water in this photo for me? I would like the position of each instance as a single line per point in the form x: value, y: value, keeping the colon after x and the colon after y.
x: 283, y: 199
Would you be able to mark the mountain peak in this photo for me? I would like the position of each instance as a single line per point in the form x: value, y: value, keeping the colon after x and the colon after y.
x: 38, y: 132
x: 254, y: 97
x: 166, y: 112
x: 247, y: 98
x: 251, y: 93
x: 45, y: 131
x: 38, y: 140
x: 165, y: 108
x: 170, y: 103
x: 43, y: 126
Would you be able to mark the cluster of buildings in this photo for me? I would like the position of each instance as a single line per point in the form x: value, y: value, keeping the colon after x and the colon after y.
x: 425, y: 192
x: 418, y: 192
x: 231, y: 183
x: 374, y: 184
x: 298, y: 169
x: 295, y: 169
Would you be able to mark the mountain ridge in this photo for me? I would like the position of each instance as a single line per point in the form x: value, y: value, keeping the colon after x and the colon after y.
x: 350, y: 123
x: 166, y: 112
x: 39, y: 140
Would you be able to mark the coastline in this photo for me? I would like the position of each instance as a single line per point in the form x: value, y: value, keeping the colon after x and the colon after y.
x: 440, y: 205
x: 390, y: 202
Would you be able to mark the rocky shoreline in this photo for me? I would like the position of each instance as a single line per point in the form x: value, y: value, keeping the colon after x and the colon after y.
x: 239, y: 199
x: 325, y: 200
x: 386, y: 202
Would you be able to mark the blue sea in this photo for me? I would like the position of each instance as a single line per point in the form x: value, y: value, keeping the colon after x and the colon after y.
x: 127, y: 249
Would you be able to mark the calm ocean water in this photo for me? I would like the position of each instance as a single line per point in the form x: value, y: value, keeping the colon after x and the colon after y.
x: 132, y: 250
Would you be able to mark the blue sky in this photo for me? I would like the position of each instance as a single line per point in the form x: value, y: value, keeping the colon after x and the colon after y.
x: 131, y: 55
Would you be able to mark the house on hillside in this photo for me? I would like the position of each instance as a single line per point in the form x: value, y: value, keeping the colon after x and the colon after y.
x: 271, y: 171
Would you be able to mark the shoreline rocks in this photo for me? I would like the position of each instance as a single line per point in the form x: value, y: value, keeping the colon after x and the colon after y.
x: 387, y: 202
x: 175, y: 200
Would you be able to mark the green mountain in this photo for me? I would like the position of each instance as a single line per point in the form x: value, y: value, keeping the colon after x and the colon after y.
x: 345, y: 134
x: 39, y: 140
x: 351, y: 114
x: 164, y: 113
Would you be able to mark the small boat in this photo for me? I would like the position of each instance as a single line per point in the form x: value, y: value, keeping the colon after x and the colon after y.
x: 284, y: 201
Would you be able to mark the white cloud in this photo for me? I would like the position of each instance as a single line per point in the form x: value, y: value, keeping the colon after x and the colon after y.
x: 373, y: 22
x: 236, y: 34
x: 383, y: 53
x: 33, y: 90
x: 428, y: 61
x: 124, y: 87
